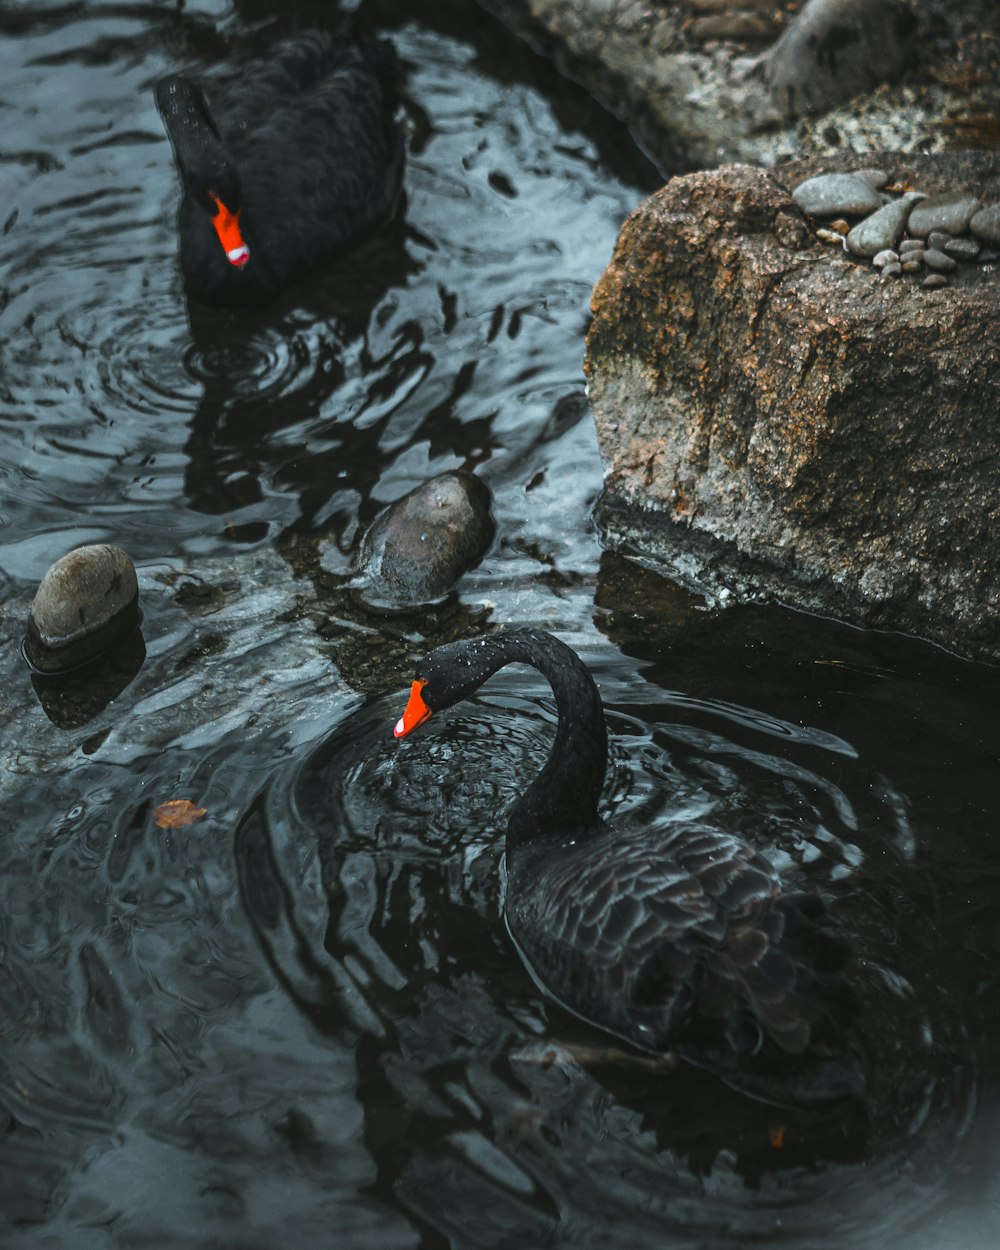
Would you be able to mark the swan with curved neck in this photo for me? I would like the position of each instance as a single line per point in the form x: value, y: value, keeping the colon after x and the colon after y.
x: 298, y: 156
x: 677, y: 937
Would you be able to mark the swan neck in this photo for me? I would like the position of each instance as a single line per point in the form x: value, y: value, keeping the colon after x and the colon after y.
x: 204, y: 164
x: 563, y: 797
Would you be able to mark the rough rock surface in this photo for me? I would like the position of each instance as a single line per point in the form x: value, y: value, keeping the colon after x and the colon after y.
x: 776, y: 418
x: 694, y: 87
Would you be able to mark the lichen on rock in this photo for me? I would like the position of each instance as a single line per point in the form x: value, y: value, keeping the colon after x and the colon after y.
x: 776, y: 418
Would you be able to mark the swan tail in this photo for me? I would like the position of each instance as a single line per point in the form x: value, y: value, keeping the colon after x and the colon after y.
x: 774, y: 986
x: 792, y: 969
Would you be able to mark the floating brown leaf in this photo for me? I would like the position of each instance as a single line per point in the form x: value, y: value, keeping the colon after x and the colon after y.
x: 177, y: 813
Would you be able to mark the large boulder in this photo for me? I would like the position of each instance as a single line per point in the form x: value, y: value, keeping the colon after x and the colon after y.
x: 779, y: 418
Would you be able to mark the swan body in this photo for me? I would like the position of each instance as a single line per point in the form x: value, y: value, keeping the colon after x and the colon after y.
x: 295, y: 159
x: 676, y: 937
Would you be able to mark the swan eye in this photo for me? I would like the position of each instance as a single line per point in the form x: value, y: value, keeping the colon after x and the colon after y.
x: 227, y: 227
x: 416, y: 712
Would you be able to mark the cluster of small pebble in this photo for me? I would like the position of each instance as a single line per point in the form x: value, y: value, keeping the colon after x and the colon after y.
x: 901, y: 231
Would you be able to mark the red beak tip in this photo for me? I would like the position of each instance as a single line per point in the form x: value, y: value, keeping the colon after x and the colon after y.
x: 416, y: 712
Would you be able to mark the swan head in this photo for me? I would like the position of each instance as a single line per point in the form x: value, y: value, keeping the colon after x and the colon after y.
x: 446, y: 676
x: 218, y: 192
x: 229, y: 234
x: 209, y: 176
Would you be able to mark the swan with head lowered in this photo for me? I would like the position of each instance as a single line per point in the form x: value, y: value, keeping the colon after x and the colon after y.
x: 677, y: 937
x: 298, y: 156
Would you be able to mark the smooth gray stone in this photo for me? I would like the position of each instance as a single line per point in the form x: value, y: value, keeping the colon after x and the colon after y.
x: 934, y: 281
x: 834, y: 49
x: 884, y: 257
x: 911, y: 245
x: 985, y: 224
x: 939, y: 262
x: 962, y: 249
x: 876, y: 177
x: 830, y: 195
x: 949, y: 212
x: 892, y: 270
x: 87, y: 601
x: 881, y: 230
x: 937, y: 239
x: 417, y: 548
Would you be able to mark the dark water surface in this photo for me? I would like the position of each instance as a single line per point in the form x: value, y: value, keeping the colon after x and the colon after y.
x: 300, y: 1021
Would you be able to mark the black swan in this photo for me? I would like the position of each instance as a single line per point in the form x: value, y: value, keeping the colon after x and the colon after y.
x: 298, y: 157
x: 677, y: 937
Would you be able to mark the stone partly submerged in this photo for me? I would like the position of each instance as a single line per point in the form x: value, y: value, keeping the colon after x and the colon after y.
x: 777, y: 420
x: 86, y: 603
x: 416, y: 549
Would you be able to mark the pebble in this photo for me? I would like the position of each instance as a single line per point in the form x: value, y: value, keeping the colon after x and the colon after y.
x: 874, y: 177
x: 985, y: 225
x: 738, y: 25
x: 949, y: 212
x: 962, y: 249
x: 85, y: 603
x: 417, y: 548
x: 832, y: 195
x: 882, y: 229
x: 939, y: 262
x: 941, y: 223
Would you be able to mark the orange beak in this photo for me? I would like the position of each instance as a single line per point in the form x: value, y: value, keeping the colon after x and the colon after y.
x: 227, y: 227
x: 416, y: 712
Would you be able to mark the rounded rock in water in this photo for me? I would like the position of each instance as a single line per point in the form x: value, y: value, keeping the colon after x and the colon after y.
x: 86, y: 602
x: 417, y: 548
